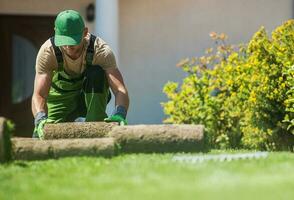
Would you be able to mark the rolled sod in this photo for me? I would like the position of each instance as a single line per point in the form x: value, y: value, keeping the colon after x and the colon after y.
x: 159, y: 138
x: 35, y: 149
x: 120, y: 139
x: 77, y: 130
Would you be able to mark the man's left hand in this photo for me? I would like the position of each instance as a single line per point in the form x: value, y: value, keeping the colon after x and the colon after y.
x: 116, y: 118
x: 39, y: 130
x: 40, y: 120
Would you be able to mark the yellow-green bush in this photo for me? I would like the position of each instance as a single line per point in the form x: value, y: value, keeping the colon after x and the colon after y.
x: 244, y: 95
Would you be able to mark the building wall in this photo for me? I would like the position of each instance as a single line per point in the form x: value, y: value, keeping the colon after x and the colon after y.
x: 42, y: 7
x: 155, y: 34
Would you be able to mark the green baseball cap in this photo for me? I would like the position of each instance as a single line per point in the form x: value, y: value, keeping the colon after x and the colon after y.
x: 69, y: 27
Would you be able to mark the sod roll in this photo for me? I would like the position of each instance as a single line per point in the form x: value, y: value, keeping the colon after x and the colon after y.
x: 77, y: 130
x: 159, y: 138
x: 129, y: 139
x: 35, y: 149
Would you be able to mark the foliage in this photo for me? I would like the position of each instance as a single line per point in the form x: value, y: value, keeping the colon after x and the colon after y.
x: 243, y: 94
x: 9, y: 128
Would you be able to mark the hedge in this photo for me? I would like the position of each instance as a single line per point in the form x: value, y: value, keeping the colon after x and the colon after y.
x: 243, y: 94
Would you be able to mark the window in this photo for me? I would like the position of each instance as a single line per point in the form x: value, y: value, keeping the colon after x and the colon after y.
x: 23, y: 68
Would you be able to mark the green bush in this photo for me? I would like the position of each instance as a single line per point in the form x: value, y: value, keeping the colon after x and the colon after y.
x: 243, y: 94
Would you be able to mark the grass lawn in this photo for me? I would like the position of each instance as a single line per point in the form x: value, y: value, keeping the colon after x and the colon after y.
x: 149, y: 176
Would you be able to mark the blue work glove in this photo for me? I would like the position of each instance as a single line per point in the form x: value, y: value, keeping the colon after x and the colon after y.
x: 40, y: 120
x: 119, y: 115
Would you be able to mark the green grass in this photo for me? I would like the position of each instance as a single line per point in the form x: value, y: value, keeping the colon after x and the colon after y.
x: 148, y: 176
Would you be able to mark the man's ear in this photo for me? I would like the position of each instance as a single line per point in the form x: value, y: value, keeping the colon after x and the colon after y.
x: 86, y: 30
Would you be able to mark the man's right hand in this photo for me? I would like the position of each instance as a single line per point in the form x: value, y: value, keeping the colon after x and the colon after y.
x: 40, y: 120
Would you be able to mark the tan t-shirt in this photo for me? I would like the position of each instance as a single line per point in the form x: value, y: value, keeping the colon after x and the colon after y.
x: 103, y: 56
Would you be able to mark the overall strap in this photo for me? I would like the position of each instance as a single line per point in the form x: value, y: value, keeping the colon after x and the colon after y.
x: 90, y: 50
x: 58, y: 54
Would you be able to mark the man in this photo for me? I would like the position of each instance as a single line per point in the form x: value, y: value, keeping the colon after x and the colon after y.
x: 74, y: 71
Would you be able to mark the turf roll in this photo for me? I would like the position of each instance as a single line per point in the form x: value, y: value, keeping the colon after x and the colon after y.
x: 34, y: 149
x: 77, y: 130
x: 159, y: 138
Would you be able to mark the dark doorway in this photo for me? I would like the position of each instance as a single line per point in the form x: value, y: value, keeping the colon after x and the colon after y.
x: 20, y: 39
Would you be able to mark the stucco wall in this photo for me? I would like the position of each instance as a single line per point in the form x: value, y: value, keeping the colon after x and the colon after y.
x: 155, y: 34
x: 42, y: 7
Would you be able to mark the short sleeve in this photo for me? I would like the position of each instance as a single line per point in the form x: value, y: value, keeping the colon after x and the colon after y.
x: 46, y: 61
x: 103, y: 55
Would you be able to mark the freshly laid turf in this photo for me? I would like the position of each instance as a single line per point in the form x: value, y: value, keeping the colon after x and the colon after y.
x: 149, y: 176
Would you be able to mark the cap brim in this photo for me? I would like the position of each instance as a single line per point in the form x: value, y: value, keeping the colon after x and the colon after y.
x: 62, y: 40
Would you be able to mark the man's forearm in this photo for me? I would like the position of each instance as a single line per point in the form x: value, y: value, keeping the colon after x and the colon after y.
x: 122, y: 99
x: 119, y: 113
x: 41, y: 90
x: 38, y: 104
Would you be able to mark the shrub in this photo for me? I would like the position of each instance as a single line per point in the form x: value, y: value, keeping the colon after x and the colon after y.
x: 243, y: 94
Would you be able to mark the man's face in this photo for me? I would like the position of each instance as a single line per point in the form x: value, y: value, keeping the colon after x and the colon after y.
x: 73, y: 51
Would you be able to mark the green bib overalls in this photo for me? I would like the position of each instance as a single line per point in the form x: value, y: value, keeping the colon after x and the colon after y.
x: 83, y: 96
